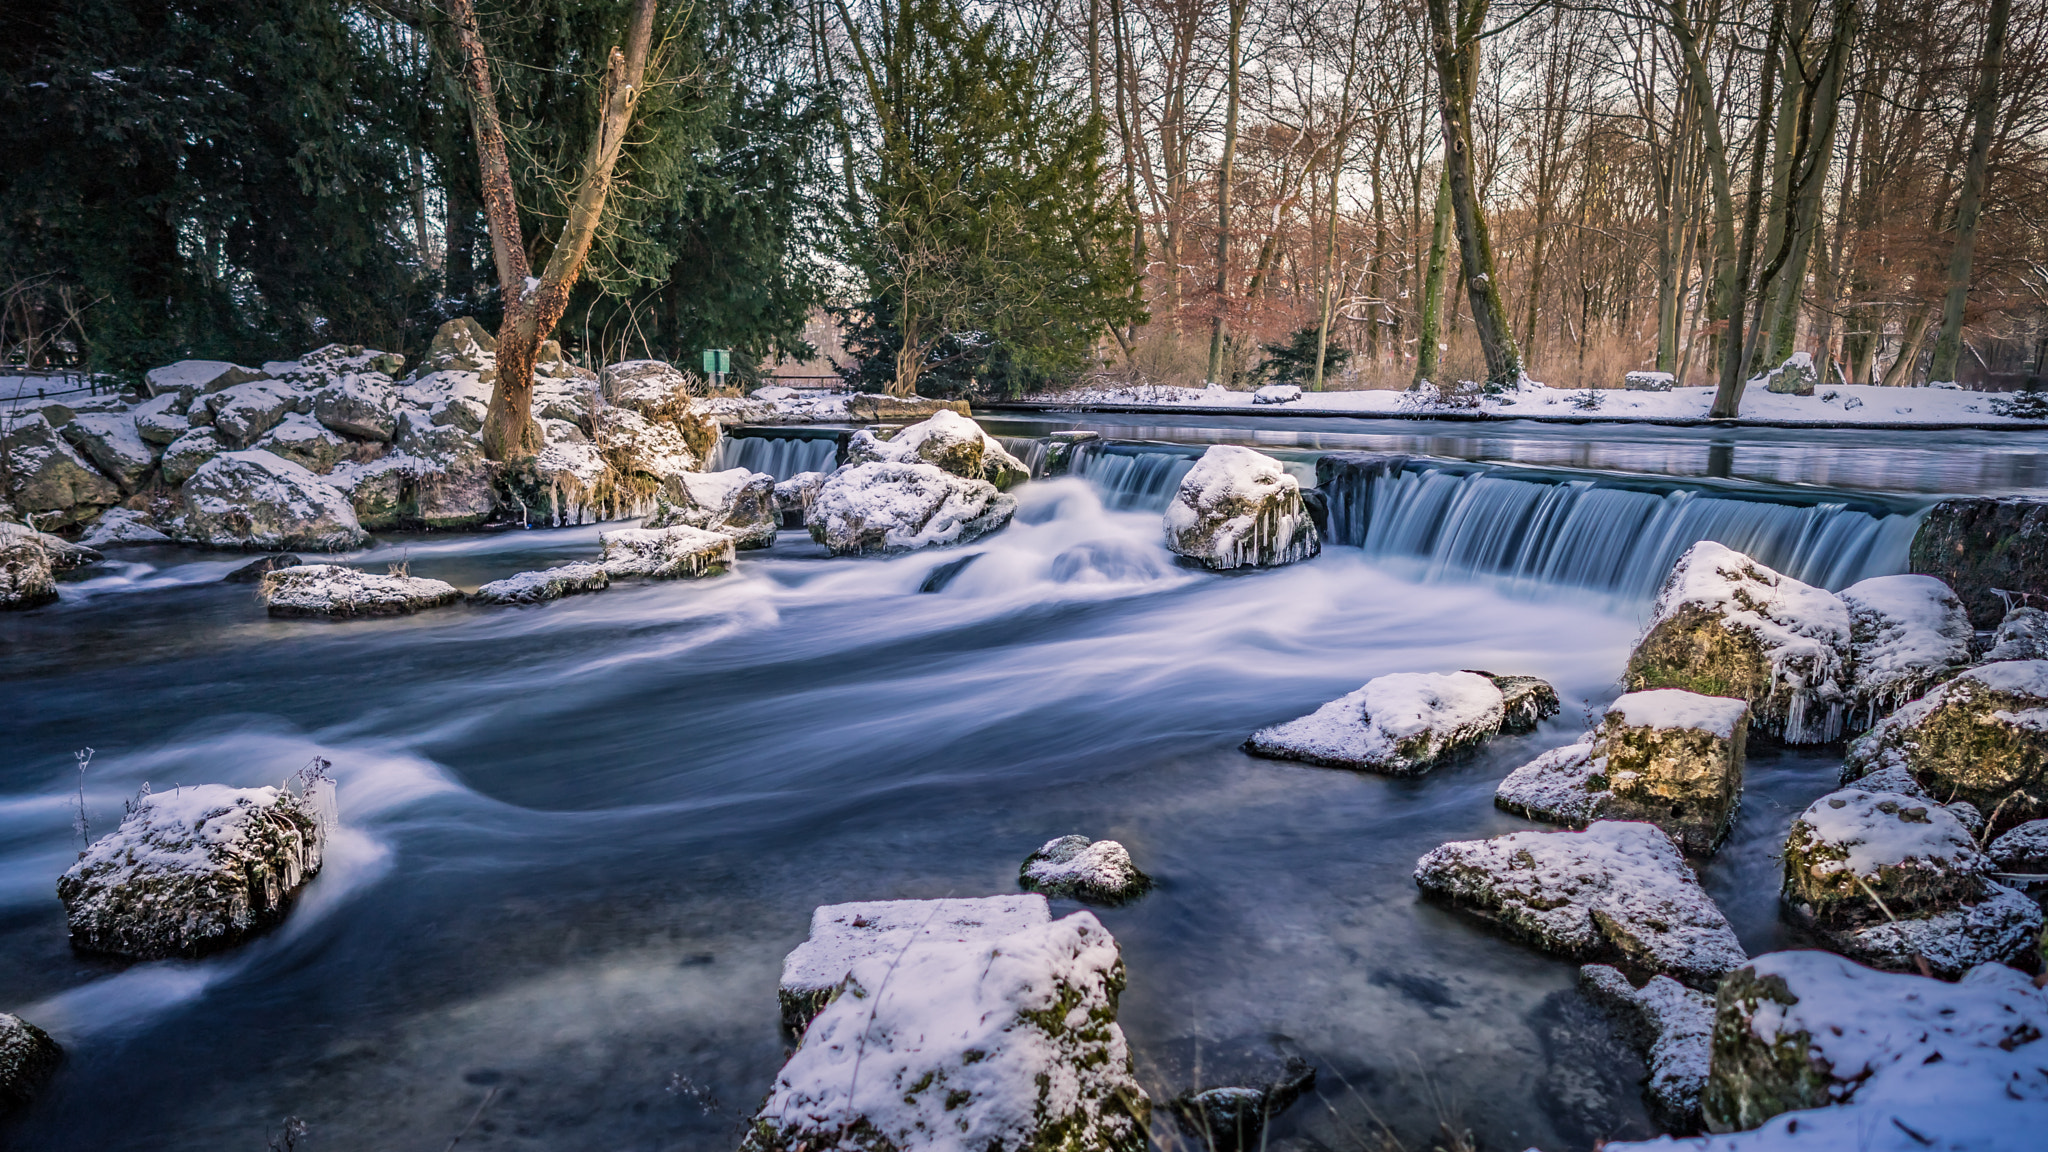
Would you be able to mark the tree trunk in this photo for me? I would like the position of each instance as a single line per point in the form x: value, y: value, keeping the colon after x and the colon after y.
x: 1223, y: 190
x: 1903, y: 369
x: 1429, y: 328
x: 1826, y: 104
x: 1984, y: 111
x: 1455, y: 40
x: 1329, y: 267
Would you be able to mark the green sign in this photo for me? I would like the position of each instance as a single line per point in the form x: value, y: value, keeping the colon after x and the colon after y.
x: 717, y: 361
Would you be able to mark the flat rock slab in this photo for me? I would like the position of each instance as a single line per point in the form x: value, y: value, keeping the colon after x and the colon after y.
x: 1672, y: 1026
x: 844, y: 933
x: 1616, y: 891
x: 337, y: 590
x: 1401, y: 724
x: 546, y: 584
x: 1077, y: 868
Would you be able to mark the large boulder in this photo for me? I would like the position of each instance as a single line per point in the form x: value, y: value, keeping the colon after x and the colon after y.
x: 336, y: 590
x: 255, y: 501
x: 27, y: 1058
x: 195, y: 870
x: 112, y: 442
x: 666, y: 553
x: 654, y: 388
x: 42, y: 475
x: 1401, y: 724
x: 196, y: 378
x: 188, y: 453
x: 1982, y: 546
x: 948, y: 440
x: 463, y: 345
x: 737, y: 502
x: 1795, y: 377
x: 1981, y: 738
x: 1665, y: 757
x: 1906, y: 633
x: 1866, y: 1050
x: 305, y: 442
x: 1616, y: 892
x: 359, y: 405
x: 453, y: 486
x: 883, y: 507
x: 1077, y: 868
x: 1725, y: 625
x: 1237, y: 508
x: 25, y: 575
x: 442, y: 399
x: 544, y: 585
x: 242, y: 414
x: 383, y: 492
x: 1672, y: 1026
x: 842, y: 934
x: 2022, y: 635
x: 1009, y: 1043
x: 162, y: 419
x: 122, y: 528
x: 1894, y: 881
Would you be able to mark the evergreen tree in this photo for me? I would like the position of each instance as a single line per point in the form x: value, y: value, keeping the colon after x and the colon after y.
x: 1295, y: 361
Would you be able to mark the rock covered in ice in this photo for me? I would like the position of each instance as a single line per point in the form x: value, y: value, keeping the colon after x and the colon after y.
x: 947, y: 440
x: 1872, y: 1050
x: 1074, y: 867
x: 188, y: 453
x: 1906, y: 632
x: 1616, y: 891
x: 1990, y: 549
x: 794, y: 497
x: 305, y: 441
x: 1672, y: 1026
x: 1401, y: 724
x: 842, y: 934
x: 113, y: 443
x: 42, y: 475
x: 1237, y: 508
x: 121, y: 528
x: 1981, y: 738
x: 1277, y: 394
x: 1725, y: 625
x: 360, y: 405
x: 2022, y: 635
x: 2023, y: 849
x: 666, y: 553
x: 546, y: 584
x: 337, y: 590
x: 258, y: 501
x: 25, y: 575
x: 962, y: 1046
x: 242, y: 414
x: 1526, y: 701
x: 27, y: 1058
x: 737, y: 502
x: 196, y: 869
x: 894, y: 507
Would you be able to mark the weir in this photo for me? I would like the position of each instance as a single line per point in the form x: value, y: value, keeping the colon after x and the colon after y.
x: 780, y: 455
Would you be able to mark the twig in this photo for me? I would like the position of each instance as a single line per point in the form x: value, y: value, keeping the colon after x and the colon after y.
x: 474, y: 1117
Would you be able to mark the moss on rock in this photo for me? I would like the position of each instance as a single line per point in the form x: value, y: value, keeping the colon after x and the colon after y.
x: 1984, y: 545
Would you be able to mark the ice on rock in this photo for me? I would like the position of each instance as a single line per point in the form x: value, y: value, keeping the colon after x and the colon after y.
x: 1672, y: 1026
x: 737, y: 502
x: 1401, y: 724
x: 26, y: 580
x: 894, y: 507
x: 1906, y: 632
x: 967, y: 1046
x: 2022, y: 635
x: 1981, y: 738
x: 194, y: 870
x: 1617, y: 892
x: 27, y: 1058
x: 1237, y: 508
x: 1725, y: 625
x: 546, y: 584
x: 666, y: 553
x: 946, y: 440
x: 337, y: 590
x: 842, y: 934
x: 1075, y: 867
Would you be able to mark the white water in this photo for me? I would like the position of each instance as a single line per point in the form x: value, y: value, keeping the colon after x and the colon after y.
x: 779, y: 457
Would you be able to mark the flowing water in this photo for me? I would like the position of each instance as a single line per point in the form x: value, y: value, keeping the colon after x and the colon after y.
x: 577, y: 839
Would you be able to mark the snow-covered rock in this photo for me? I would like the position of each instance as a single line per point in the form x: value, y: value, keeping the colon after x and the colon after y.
x: 952, y: 1046
x: 42, y: 475
x: 1795, y: 377
x: 653, y: 388
x: 1648, y: 381
x: 1238, y: 508
x: 1074, y: 867
x: 66, y: 556
x: 242, y: 414
x: 1981, y: 738
x: 360, y: 405
x: 340, y: 359
x: 1401, y: 724
x: 195, y: 870
x: 637, y: 445
x: 2022, y: 849
x: 1277, y: 394
x: 1672, y: 1026
x: 27, y: 1058
x: 1725, y: 625
x: 25, y: 574
x: 1526, y: 701
x: 737, y: 502
x: 875, y: 408
x: 1905, y: 633
x: 666, y: 553
x: 463, y: 345
x: 1617, y: 892
x: 110, y: 440
x: 382, y: 490
x: 890, y: 507
x: 338, y: 590
x: 842, y: 934
x: 196, y: 377
x: 453, y: 485
x: 546, y: 584
x: 187, y: 453
x: 305, y: 442
x: 160, y: 420
x: 947, y: 440
x: 256, y: 501
x: 121, y: 528
x: 2022, y: 635
x: 1565, y: 785
x: 794, y: 497
x: 1877, y: 1055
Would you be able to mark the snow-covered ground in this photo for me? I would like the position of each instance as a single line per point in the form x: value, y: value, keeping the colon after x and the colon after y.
x: 1837, y: 404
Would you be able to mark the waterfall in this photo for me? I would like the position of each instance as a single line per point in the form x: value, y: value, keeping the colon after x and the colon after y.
x: 1617, y: 535
x: 779, y: 456
x: 1029, y: 449
x: 1133, y: 478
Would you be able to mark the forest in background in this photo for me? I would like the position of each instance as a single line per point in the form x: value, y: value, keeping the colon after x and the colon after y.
x: 1003, y: 197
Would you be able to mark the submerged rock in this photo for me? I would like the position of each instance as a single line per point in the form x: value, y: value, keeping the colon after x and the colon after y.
x: 886, y: 507
x: 256, y: 501
x: 25, y: 575
x: 1906, y: 633
x: 547, y: 584
x: 981, y: 1043
x: 195, y: 870
x: 255, y: 570
x: 1526, y: 701
x: 1232, y: 1116
x: 336, y: 590
x: 1724, y: 625
x: 737, y: 502
x: 1617, y: 892
x: 1989, y: 549
x: 1237, y: 508
x: 27, y: 1058
x: 1077, y: 868
x: 1401, y: 724
x: 1981, y: 738
x: 842, y: 934
x: 1672, y: 1026
x: 666, y: 553
x: 946, y: 440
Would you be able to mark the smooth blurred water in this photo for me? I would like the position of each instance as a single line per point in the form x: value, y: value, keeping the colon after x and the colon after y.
x: 579, y: 838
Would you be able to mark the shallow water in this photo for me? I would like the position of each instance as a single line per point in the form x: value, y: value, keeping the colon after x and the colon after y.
x: 579, y: 838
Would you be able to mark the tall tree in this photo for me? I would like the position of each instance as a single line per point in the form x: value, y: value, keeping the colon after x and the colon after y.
x: 1983, y: 116
x: 1226, y: 171
x: 1456, y: 29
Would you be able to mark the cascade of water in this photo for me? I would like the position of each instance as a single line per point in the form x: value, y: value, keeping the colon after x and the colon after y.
x: 1029, y: 449
x: 1132, y: 480
x: 780, y: 457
